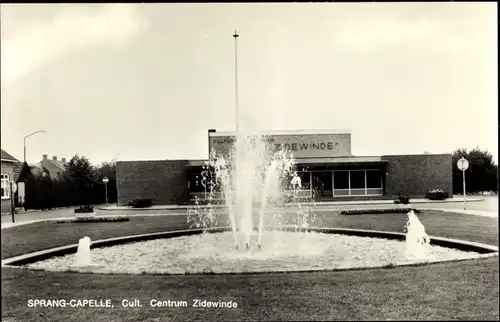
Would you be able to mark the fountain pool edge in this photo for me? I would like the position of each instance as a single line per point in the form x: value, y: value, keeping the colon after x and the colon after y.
x: 484, y: 250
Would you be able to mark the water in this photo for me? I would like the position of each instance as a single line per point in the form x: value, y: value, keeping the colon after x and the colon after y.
x: 254, y: 178
x: 83, y: 257
x: 417, y: 243
x: 250, y: 181
x: 282, y: 251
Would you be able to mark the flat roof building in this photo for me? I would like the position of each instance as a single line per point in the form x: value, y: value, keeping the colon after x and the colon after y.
x: 324, y: 161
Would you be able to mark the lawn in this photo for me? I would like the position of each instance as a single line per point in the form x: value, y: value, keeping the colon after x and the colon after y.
x: 43, y: 235
x: 463, y: 290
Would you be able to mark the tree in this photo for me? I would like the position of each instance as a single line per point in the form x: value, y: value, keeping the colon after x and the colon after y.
x: 82, y: 176
x: 108, y: 169
x: 482, y: 174
x: 80, y: 183
x: 39, y: 191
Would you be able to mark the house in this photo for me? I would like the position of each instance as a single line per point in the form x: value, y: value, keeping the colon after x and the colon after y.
x: 51, y: 167
x: 8, y: 163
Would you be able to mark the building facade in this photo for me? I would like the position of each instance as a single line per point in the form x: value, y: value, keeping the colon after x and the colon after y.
x: 8, y: 163
x: 323, y: 160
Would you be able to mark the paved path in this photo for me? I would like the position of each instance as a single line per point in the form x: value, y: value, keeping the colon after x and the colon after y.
x: 31, y: 215
x: 345, y: 204
x: 487, y: 207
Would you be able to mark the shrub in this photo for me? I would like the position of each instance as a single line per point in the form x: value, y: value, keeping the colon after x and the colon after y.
x: 140, y: 203
x: 84, y: 209
x: 402, y: 199
x: 377, y: 211
x: 436, y: 194
x: 94, y: 219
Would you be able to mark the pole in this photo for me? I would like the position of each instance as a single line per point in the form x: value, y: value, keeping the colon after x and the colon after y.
x: 12, y: 211
x: 463, y: 183
x: 106, y: 188
x: 25, y: 149
x: 236, y: 106
x: 236, y: 78
x: 27, y: 136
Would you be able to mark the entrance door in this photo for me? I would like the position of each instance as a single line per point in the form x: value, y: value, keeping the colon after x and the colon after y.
x: 322, y: 183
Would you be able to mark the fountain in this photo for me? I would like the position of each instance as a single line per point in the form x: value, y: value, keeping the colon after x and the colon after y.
x: 417, y: 241
x: 83, y: 256
x: 251, y: 185
x: 249, y: 179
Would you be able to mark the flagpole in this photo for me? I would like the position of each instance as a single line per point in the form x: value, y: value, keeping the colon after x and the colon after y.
x: 236, y: 79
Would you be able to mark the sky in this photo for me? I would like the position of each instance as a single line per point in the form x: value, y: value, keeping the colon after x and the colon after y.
x: 146, y: 81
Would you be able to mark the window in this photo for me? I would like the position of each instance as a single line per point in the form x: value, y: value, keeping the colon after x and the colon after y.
x: 373, y: 179
x: 5, y: 184
x: 341, y: 179
x: 357, y: 179
x: 357, y: 182
x: 195, y: 183
x: 305, y: 180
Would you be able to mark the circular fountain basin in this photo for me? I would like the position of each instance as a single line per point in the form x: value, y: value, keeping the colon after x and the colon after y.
x: 282, y: 251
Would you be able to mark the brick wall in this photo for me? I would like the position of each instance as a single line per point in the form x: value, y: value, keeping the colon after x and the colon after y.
x: 416, y: 174
x: 163, y: 181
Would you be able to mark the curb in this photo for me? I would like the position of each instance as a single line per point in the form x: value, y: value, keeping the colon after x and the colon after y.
x: 317, y: 204
x: 484, y: 250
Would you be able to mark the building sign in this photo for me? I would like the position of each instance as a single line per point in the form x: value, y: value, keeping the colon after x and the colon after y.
x: 300, y: 145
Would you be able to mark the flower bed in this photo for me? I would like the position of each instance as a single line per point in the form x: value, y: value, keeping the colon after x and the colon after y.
x: 92, y: 219
x: 378, y: 211
x: 436, y: 194
x: 140, y: 203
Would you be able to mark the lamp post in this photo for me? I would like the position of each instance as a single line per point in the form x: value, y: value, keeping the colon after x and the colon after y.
x: 27, y: 136
x: 105, y: 180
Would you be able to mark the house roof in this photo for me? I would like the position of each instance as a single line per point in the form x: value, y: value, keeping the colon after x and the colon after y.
x: 34, y: 169
x: 6, y: 157
x: 57, y: 163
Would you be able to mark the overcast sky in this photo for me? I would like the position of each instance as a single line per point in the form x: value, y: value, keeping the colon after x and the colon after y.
x: 146, y: 81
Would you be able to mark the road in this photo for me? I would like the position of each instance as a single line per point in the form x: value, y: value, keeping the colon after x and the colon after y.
x: 490, y: 204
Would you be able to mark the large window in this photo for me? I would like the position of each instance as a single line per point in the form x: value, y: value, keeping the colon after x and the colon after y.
x: 373, y: 179
x: 341, y: 180
x: 357, y: 179
x: 5, y: 184
x: 374, y: 182
x: 341, y: 183
x: 357, y: 182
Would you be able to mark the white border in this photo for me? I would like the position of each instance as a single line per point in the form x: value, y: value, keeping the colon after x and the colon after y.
x: 280, y: 132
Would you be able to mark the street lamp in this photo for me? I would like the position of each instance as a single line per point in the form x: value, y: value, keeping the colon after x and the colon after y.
x: 27, y: 136
x: 105, y: 180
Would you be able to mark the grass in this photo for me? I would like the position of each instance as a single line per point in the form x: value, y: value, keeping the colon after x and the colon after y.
x: 462, y: 290
x: 43, y: 235
x: 436, y: 223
